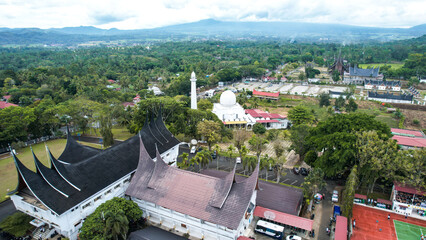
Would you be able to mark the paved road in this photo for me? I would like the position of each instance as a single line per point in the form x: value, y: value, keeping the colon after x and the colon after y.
x: 327, y: 210
x: 6, y: 208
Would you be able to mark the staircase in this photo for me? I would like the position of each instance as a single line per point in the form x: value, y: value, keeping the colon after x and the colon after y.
x: 38, y: 234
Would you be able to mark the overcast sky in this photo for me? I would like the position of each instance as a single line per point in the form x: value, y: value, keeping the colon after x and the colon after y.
x: 138, y: 14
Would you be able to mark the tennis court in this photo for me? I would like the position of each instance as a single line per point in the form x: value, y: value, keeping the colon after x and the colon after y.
x: 373, y: 224
x: 406, y: 231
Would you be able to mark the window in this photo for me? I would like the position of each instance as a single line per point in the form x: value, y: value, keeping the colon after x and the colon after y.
x: 117, y: 186
x: 98, y: 198
x: 108, y: 192
x: 127, y: 180
x: 86, y: 205
x: 35, y: 210
x: 183, y: 225
x: 75, y: 225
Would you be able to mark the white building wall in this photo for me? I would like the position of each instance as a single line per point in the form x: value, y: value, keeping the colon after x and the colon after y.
x: 69, y: 223
x: 389, y: 100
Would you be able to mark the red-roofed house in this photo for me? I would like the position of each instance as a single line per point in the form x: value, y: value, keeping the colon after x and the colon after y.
x: 266, y: 95
x: 408, y: 200
x: 6, y: 104
x: 6, y: 97
x: 410, y: 142
x: 136, y: 99
x: 407, y: 132
x: 128, y: 104
x: 111, y: 81
x: 269, y: 120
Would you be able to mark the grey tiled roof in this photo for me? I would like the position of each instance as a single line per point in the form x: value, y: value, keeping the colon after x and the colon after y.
x: 370, y: 72
x: 190, y: 193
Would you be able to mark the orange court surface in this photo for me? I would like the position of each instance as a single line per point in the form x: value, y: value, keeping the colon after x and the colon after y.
x: 369, y: 221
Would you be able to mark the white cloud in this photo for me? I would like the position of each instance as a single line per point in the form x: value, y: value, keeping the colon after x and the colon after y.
x: 134, y: 14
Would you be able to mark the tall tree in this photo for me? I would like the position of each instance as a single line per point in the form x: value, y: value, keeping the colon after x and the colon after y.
x: 280, y: 161
x: 240, y: 137
x: 351, y: 106
x: 184, y: 164
x: 300, y: 115
x: 324, y: 99
x: 314, y: 182
x: 413, y: 167
x: 106, y: 128
x: 336, y: 139
x: 299, y: 144
x: 349, y: 193
x: 210, y: 131
x: 257, y: 144
x: 376, y: 158
x: 116, y: 225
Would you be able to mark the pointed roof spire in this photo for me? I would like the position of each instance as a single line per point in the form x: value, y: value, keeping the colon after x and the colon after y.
x: 193, y: 75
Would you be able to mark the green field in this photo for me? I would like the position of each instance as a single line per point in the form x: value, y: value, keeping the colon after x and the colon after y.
x: 406, y: 231
x: 8, y: 174
x: 393, y: 65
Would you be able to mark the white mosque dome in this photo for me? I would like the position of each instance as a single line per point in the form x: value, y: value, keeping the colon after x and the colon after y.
x: 228, y: 98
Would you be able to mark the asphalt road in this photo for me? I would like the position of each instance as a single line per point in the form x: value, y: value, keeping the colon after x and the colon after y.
x: 6, y: 208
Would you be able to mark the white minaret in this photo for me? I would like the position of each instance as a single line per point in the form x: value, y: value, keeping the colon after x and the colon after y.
x: 193, y: 91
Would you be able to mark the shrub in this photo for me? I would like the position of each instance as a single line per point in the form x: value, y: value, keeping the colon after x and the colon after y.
x: 416, y: 121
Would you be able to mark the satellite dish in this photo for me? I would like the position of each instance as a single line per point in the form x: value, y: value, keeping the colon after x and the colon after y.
x: 194, y: 142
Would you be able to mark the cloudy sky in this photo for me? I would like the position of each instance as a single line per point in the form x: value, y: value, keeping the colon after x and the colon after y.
x: 138, y: 14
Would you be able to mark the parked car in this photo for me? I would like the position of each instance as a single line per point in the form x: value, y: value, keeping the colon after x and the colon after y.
x: 296, y: 170
x: 200, y: 149
x: 293, y: 237
x: 193, y: 149
x: 335, y: 197
x: 304, y: 171
x: 238, y: 160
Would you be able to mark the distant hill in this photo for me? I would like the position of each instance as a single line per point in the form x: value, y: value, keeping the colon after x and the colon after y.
x: 288, y: 31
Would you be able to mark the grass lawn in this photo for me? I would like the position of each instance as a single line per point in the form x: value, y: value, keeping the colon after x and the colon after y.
x: 393, y: 65
x: 119, y: 133
x: 407, y: 231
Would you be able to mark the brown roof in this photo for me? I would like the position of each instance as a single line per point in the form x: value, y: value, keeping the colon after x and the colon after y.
x: 270, y: 195
x: 215, y: 200
x: 284, y: 218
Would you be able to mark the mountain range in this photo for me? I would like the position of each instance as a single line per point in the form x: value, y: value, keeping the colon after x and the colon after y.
x: 210, y: 29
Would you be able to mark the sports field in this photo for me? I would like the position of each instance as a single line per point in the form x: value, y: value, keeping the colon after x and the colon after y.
x: 373, y: 224
x: 406, y: 231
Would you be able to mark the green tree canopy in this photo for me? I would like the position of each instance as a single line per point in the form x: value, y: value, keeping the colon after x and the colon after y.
x: 301, y: 115
x: 96, y: 223
x: 258, y: 128
x: 336, y: 138
x: 257, y: 144
x: 314, y: 182
x: 210, y: 131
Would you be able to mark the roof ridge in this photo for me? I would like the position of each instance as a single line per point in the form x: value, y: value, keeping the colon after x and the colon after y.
x: 55, y: 164
x: 228, y: 181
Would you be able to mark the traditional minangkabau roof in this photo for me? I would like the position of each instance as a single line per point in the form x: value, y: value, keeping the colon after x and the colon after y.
x: 63, y: 186
x: 369, y: 72
x: 404, y: 97
x: 215, y: 200
x: 75, y: 152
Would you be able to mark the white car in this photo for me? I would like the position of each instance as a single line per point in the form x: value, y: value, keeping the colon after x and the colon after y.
x: 293, y: 237
x: 193, y: 149
x: 335, y: 197
x: 238, y: 160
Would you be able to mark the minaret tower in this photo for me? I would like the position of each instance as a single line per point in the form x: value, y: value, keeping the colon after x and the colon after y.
x: 193, y: 91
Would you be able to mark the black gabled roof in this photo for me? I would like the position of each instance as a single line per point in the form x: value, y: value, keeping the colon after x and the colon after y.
x: 75, y: 152
x: 47, y: 195
x: 66, y: 185
x: 52, y: 177
x: 164, y: 131
x: 369, y: 72
x: 405, y: 97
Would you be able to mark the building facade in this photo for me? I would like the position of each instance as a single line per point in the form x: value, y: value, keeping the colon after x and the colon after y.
x: 74, y: 185
x: 202, y: 206
x: 358, y: 75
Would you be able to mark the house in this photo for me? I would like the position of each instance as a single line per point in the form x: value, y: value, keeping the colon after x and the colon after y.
x: 62, y: 194
x: 382, y: 85
x: 136, y: 99
x: 313, y: 80
x: 339, y: 66
x: 111, y: 81
x: 266, y: 95
x: 358, y: 75
x: 336, y: 94
x: 408, y: 139
x: 390, y: 97
x: 6, y: 104
x: 269, y: 120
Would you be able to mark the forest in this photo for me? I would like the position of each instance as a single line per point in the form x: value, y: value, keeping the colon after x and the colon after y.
x: 56, y: 86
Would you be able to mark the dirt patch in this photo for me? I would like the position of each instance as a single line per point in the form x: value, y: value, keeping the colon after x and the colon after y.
x: 411, y: 115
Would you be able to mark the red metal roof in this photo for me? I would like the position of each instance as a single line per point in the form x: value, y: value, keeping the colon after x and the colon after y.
x: 341, y: 228
x: 408, y: 189
x: 266, y: 94
x: 126, y: 104
x: 284, y: 218
x: 257, y: 113
x: 243, y: 238
x: 384, y: 201
x: 111, y: 81
x: 267, y: 121
x: 408, y: 132
x: 7, y: 97
x: 410, y: 141
x: 6, y: 104
x: 360, y: 196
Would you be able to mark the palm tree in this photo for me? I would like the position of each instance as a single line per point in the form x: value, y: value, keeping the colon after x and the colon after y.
x: 203, y: 158
x: 184, y: 164
x: 116, y: 225
x: 217, y: 148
